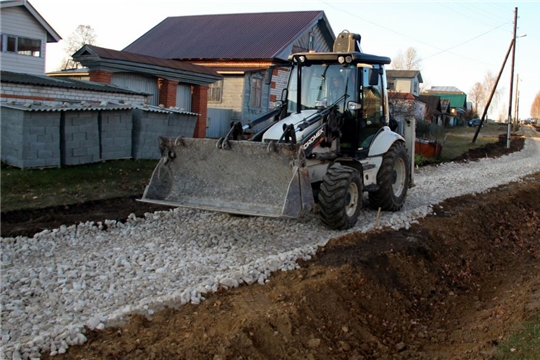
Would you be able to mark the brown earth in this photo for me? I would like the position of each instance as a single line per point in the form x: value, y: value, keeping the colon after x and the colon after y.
x: 453, y: 286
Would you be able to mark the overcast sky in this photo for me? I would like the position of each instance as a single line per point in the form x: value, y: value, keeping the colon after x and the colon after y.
x: 459, y: 42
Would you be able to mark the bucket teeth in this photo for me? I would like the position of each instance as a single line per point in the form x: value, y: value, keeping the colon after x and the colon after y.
x: 243, y: 177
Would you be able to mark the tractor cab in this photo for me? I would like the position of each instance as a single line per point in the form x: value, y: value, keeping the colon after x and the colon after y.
x: 354, y: 89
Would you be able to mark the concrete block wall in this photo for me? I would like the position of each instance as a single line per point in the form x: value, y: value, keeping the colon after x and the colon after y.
x: 38, y: 139
x: 149, y: 126
x: 81, y: 138
x: 30, y: 139
x: 12, y: 136
x: 181, y: 125
x: 116, y: 134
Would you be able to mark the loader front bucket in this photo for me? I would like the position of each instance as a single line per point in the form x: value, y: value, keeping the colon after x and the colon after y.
x: 243, y: 177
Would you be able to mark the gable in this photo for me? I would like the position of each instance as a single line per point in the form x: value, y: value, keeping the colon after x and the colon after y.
x: 231, y: 36
x: 15, y: 10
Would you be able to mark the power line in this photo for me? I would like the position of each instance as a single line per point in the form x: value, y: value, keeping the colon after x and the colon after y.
x: 464, y: 14
x: 487, y: 5
x: 420, y: 41
x: 467, y: 41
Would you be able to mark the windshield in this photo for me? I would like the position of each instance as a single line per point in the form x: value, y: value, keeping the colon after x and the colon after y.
x: 333, y: 83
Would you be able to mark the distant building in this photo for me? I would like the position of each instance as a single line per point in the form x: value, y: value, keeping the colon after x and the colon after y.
x: 453, y: 101
x: 404, y: 81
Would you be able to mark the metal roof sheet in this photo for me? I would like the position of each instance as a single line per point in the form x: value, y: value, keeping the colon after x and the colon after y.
x: 161, y: 109
x: 390, y: 73
x: 90, y: 50
x: 64, y: 82
x: 53, y: 107
x: 225, y: 36
x: 444, y: 89
x: 90, y: 106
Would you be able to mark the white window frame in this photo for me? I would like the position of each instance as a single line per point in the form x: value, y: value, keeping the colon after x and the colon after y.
x: 15, y: 44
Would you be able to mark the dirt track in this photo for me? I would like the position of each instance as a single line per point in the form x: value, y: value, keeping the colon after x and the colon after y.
x: 451, y: 287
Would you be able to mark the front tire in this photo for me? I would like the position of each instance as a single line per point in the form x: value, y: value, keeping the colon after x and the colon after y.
x: 340, y: 197
x: 392, y: 179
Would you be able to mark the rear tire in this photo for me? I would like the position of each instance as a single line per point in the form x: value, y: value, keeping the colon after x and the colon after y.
x: 392, y: 179
x: 340, y: 197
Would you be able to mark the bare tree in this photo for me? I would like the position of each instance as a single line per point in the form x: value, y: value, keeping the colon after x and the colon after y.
x: 488, y: 85
x: 401, y: 106
x: 476, y: 96
x: 410, y: 60
x: 503, y: 113
x: 83, y: 35
x: 535, y: 108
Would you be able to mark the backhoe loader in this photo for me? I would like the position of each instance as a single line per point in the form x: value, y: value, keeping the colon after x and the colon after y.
x: 323, y: 147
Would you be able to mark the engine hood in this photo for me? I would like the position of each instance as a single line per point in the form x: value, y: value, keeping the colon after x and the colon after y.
x: 275, y: 132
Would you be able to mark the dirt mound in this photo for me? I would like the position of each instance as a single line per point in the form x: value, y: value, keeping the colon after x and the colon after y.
x: 496, y: 149
x: 451, y: 287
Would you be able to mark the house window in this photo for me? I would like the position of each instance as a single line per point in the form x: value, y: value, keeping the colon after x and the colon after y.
x: 21, y: 45
x: 256, y: 92
x: 214, y: 92
x: 391, y: 85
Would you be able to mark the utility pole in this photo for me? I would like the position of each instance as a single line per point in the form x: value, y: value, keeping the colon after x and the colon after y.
x: 511, y: 81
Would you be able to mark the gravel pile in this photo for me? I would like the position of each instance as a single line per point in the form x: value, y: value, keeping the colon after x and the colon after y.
x: 62, y: 282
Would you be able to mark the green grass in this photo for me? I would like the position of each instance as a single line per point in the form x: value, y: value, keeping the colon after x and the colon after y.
x: 524, y: 344
x: 458, y: 140
x: 27, y: 189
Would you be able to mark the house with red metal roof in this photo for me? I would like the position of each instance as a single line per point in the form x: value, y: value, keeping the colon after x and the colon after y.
x: 240, y: 47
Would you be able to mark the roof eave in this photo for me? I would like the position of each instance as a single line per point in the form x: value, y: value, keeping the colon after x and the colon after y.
x: 97, y: 63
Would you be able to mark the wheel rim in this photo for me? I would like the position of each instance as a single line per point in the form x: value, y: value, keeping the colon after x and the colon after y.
x: 352, y: 199
x: 399, y: 177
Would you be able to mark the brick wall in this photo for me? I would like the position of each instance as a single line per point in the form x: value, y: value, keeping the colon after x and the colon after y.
x: 232, y: 96
x: 279, y: 82
x: 167, y: 92
x: 199, y: 100
x: 47, y: 94
x: 101, y: 76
